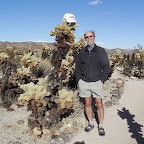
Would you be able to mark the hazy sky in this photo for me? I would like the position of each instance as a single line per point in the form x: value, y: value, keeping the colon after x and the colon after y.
x: 117, y: 23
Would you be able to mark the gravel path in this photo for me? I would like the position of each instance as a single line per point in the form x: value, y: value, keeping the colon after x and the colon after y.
x: 124, y: 122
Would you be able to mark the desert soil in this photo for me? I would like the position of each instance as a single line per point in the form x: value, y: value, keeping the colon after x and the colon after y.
x: 123, y: 123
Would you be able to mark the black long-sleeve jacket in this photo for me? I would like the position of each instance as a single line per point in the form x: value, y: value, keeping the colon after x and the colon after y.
x: 94, y: 66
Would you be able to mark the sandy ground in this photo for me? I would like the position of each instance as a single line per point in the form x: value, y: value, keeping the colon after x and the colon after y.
x: 123, y: 123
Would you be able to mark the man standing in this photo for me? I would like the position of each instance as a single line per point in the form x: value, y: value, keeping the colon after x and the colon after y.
x: 91, y: 71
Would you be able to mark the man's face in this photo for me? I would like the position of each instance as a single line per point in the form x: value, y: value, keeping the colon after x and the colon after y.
x: 89, y: 38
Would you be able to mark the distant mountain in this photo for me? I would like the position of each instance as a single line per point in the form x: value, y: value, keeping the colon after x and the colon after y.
x: 39, y: 45
x: 123, y: 51
x: 24, y: 45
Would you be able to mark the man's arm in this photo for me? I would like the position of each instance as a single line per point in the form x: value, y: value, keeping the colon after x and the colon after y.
x: 105, y: 66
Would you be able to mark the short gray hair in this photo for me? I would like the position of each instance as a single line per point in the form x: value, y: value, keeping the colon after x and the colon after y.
x: 91, y: 32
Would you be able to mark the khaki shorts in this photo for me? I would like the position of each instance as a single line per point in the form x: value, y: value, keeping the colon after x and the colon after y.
x: 87, y: 89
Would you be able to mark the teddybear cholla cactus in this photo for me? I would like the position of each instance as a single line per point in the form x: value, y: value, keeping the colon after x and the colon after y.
x: 67, y: 67
x: 65, y: 98
x: 29, y: 60
x: 23, y: 72
x: 3, y: 57
x: 35, y: 92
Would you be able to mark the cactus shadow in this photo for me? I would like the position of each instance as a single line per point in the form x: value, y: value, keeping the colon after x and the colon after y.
x: 80, y: 142
x: 134, y: 127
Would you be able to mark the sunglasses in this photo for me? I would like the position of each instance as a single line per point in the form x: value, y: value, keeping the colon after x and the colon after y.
x: 88, y: 37
x: 71, y: 23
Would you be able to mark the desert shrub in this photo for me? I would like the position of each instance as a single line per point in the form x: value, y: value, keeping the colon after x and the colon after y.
x: 132, y: 64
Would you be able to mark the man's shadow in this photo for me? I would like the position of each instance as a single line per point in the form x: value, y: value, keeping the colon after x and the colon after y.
x: 133, y: 126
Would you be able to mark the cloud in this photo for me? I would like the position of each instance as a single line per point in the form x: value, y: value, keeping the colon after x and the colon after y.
x: 95, y: 2
x: 36, y: 41
x: 106, y: 13
x: 100, y: 43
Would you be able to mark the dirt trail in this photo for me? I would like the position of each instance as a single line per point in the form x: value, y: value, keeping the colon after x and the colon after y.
x: 123, y: 123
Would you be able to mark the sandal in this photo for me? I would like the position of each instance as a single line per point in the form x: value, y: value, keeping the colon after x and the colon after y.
x: 89, y: 128
x: 101, y: 131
